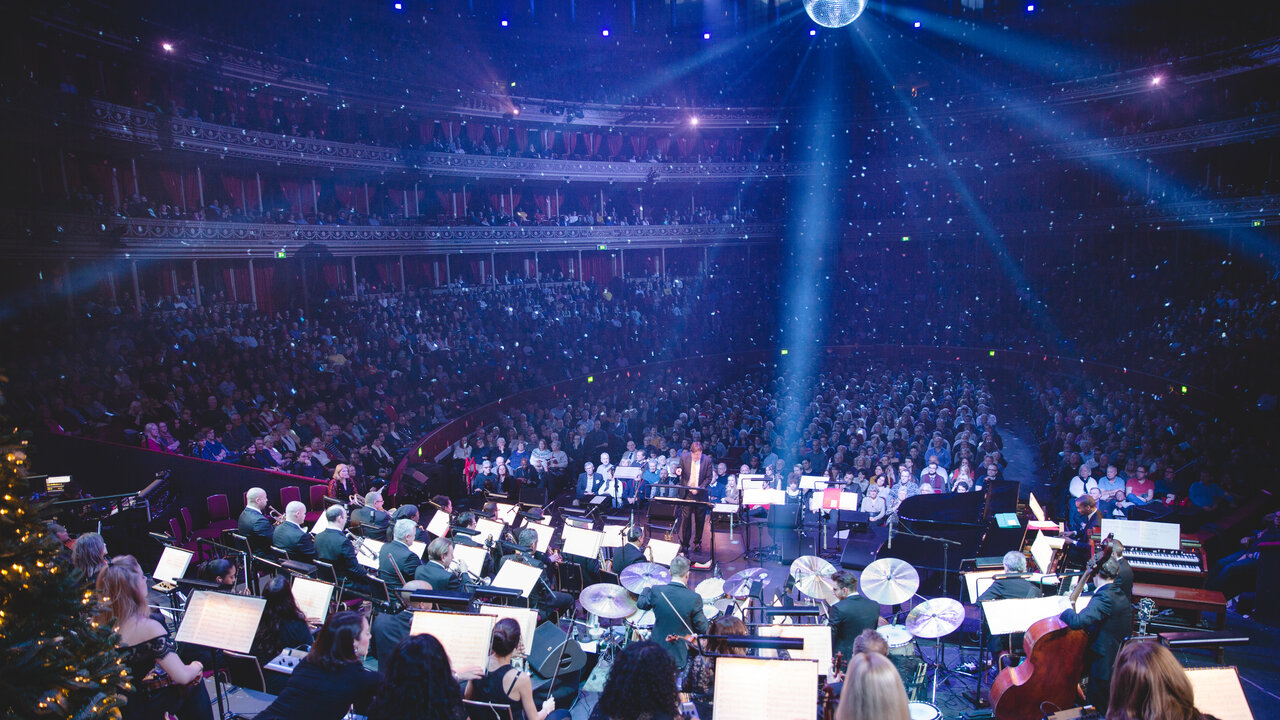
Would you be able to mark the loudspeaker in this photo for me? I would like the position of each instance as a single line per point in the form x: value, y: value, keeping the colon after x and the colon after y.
x: 553, y: 652
x: 859, y: 551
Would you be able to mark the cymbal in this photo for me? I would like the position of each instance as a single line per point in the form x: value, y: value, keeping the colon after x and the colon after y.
x: 739, y: 584
x: 638, y: 576
x: 813, y: 577
x: 889, y: 581
x: 607, y: 601
x: 935, y: 618
x: 710, y: 589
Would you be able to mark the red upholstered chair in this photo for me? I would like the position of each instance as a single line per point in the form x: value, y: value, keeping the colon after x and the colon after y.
x: 289, y: 494
x: 316, y: 507
x: 175, y: 529
x: 220, y: 514
x: 194, y: 534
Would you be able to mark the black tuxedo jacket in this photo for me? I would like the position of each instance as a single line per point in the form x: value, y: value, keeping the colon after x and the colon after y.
x: 848, y: 618
x: 257, y: 527
x: 295, y: 541
x: 370, y: 516
x: 439, y: 577
x: 626, y: 555
x: 397, y: 555
x: 1108, y: 619
x: 676, y: 610
x: 335, y: 548
x: 1009, y: 588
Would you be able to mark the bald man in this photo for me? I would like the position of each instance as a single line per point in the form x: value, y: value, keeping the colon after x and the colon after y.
x: 291, y: 537
x: 254, y: 524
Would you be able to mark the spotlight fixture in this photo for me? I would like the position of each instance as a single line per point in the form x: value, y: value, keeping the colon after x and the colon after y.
x: 398, y: 6
x: 505, y: 23
x: 1031, y: 8
x: 694, y: 121
x: 1155, y: 81
x: 915, y: 24
x: 812, y: 32
x: 706, y: 36
x: 604, y: 32
x: 166, y: 46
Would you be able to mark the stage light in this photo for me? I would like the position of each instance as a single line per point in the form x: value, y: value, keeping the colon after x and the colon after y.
x: 167, y: 47
x: 706, y: 36
x: 915, y: 24
x: 515, y: 111
x: 812, y: 32
x: 1155, y: 81
x: 604, y: 32
x: 834, y: 13
x: 1031, y: 8
x: 505, y: 23
x: 694, y: 121
x: 398, y: 6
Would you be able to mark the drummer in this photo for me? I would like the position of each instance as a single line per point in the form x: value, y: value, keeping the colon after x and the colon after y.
x: 851, y: 614
x: 630, y: 553
x: 677, y: 610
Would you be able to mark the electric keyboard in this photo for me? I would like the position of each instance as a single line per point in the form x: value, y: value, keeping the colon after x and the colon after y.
x: 1152, y: 565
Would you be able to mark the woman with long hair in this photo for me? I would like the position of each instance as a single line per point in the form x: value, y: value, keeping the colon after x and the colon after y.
x: 331, y: 679
x: 282, y: 626
x: 1148, y: 683
x: 873, y: 690
x: 702, y: 668
x: 161, y: 682
x: 89, y: 556
x: 502, y: 684
x: 343, y: 484
x: 641, y: 684
x: 418, y: 684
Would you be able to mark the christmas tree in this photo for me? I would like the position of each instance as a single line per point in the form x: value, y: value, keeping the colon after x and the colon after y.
x: 57, y: 662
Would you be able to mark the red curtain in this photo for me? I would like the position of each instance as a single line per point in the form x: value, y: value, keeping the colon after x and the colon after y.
x: 711, y: 144
x: 426, y: 130
x: 522, y: 139
x: 172, y: 184
x: 475, y: 132
x: 452, y: 130
x: 347, y: 195
x: 236, y: 191
x: 451, y: 202
x: 615, y: 145
x: 593, y: 143
x: 548, y: 204
x: 735, y: 146
x: 637, y: 145
x: 503, y: 135
x: 292, y: 197
x: 684, y: 145
x: 264, y: 276
x: 663, y: 144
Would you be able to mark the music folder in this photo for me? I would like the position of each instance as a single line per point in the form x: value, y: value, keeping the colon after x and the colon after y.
x: 172, y: 564
x: 615, y: 536
x: 662, y: 552
x: 748, y: 688
x: 506, y: 513
x: 1018, y: 614
x: 465, y: 636
x: 439, y: 525
x: 471, y: 556
x: 312, y: 597
x: 581, y: 543
x: 1218, y: 693
x: 545, y: 532
x: 221, y: 620
x: 517, y: 576
x: 526, y: 618
x: 488, y: 530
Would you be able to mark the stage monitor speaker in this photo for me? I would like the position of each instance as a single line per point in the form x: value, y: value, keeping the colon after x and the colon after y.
x: 859, y: 551
x: 553, y: 652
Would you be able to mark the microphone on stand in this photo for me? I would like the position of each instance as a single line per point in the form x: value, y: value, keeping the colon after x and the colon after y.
x: 892, y: 522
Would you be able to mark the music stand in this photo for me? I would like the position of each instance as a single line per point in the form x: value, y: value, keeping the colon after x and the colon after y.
x: 221, y: 621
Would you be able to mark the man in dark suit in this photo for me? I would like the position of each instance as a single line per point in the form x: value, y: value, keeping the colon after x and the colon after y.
x: 696, y: 470
x: 630, y: 553
x: 677, y: 610
x: 371, y: 514
x: 409, y: 511
x: 389, y: 629
x: 1108, y: 619
x: 436, y: 569
x: 550, y: 603
x: 1076, y: 547
x: 1124, y: 579
x: 589, y: 484
x: 254, y: 524
x: 852, y: 614
x: 1006, y: 588
x: 396, y: 556
x: 334, y: 547
x: 290, y: 537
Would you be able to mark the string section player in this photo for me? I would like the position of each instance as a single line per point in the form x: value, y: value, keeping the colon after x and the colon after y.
x: 677, y: 611
x: 1107, y: 618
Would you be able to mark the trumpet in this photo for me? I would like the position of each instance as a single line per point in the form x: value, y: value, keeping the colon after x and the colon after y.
x: 277, y: 517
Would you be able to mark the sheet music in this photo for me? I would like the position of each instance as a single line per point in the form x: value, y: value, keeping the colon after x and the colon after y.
x: 472, y: 556
x: 1218, y: 693
x: 726, y: 508
x: 662, y: 552
x: 313, y: 597
x: 1036, y: 508
x: 1041, y: 552
x: 515, y: 575
x: 465, y: 636
x: 813, y: 482
x: 418, y: 547
x: 1018, y: 614
x: 751, y: 482
x: 439, y: 525
x: 579, y: 542
x: 528, y: 619
x: 758, y: 689
x: 322, y: 524
x: 627, y: 473
x: 978, y: 582
x: 221, y: 620
x: 544, y: 535
x: 599, y: 500
x: 615, y: 536
x: 172, y: 564
x: 506, y: 513
x: 1144, y: 534
x: 764, y: 497
x: 489, y: 530
x: 817, y: 642
x: 367, y: 551
x: 816, y: 502
x: 849, y: 501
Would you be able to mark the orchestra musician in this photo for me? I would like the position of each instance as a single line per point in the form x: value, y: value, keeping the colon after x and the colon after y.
x: 389, y: 629
x: 466, y: 520
x: 373, y: 515
x: 1005, y: 588
x: 630, y: 553
x: 1107, y: 618
x: 334, y: 546
x: 409, y: 511
x: 547, y: 601
x: 437, y: 569
x: 1124, y: 578
x: 695, y: 471
x: 1076, y: 545
x: 677, y: 610
x: 397, y: 563
x: 343, y: 484
x: 289, y: 535
x: 253, y: 523
x: 503, y: 685
x: 852, y: 614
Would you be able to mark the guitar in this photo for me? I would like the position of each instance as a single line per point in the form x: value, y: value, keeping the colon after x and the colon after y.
x: 1054, y: 664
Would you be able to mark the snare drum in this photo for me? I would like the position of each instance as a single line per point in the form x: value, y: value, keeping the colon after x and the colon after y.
x: 900, y: 641
x: 923, y: 711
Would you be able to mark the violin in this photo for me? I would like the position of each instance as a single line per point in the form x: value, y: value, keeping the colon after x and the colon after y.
x: 1054, y: 664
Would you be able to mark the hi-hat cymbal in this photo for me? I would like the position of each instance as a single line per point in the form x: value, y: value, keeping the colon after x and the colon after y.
x: 739, y: 584
x: 607, y: 601
x: 935, y: 618
x: 889, y: 581
x: 813, y: 577
x: 639, y: 576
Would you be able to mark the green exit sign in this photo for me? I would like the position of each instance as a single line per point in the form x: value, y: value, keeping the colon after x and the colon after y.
x: 280, y: 255
x: 1259, y: 223
x: 602, y: 247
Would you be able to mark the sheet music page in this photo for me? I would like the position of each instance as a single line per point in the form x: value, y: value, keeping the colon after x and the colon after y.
x: 322, y: 524
x: 756, y: 496
x: 528, y: 619
x: 978, y: 582
x: 1041, y: 552
x: 1218, y: 693
x: 473, y: 557
x: 579, y: 542
x: 465, y: 636
x: 172, y: 564
x: 1036, y: 508
x: 222, y: 621
x: 627, y: 473
x: 813, y: 482
x: 750, y: 482
x: 1018, y: 614
x: 849, y: 501
x: 663, y: 552
x: 759, y: 689
x: 544, y: 535
x: 506, y: 513
x: 488, y: 529
x: 599, y: 499
x: 726, y: 508
x: 517, y: 576
x: 367, y: 552
x: 313, y: 597
x: 1145, y: 534
x: 615, y: 536
x: 817, y: 642
x: 815, y: 502
x: 418, y: 547
x: 439, y: 525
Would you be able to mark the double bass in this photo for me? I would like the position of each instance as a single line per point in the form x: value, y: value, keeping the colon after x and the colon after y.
x: 1054, y: 664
